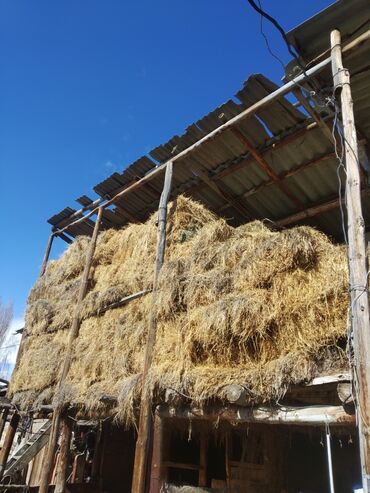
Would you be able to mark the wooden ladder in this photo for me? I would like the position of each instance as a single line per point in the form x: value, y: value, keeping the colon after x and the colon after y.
x: 24, y: 454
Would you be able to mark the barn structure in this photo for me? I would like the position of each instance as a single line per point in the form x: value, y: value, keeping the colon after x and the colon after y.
x: 197, y: 334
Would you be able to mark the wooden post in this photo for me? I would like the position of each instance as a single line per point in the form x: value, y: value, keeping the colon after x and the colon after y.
x: 78, y: 469
x: 202, y: 481
x: 146, y: 422
x: 95, y: 467
x: 62, y: 469
x: 356, y: 258
x: 156, y: 477
x: 46, y: 255
x: 47, y: 466
x: 4, y: 417
x: 8, y: 442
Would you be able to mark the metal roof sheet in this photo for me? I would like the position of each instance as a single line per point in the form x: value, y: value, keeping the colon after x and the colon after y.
x: 300, y: 156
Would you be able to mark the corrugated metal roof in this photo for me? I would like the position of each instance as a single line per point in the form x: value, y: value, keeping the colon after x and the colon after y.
x: 300, y: 156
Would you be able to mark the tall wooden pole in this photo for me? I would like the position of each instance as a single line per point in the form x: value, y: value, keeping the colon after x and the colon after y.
x: 46, y: 255
x: 358, y: 288
x: 8, y: 442
x: 62, y: 469
x: 146, y: 419
x: 47, y: 466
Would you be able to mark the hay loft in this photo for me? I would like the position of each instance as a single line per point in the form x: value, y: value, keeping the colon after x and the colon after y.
x: 239, y: 305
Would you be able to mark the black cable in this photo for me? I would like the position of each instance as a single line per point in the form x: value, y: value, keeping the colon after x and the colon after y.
x: 278, y: 27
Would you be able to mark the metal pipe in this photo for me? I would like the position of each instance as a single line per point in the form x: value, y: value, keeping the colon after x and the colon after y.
x: 329, y: 457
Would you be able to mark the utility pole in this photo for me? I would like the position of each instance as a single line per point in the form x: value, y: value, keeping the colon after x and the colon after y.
x: 358, y: 286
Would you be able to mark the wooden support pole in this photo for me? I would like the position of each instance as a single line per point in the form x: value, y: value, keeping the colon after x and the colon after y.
x: 156, y: 477
x: 358, y: 282
x: 4, y: 417
x: 62, y: 469
x: 8, y: 442
x: 47, y: 466
x: 46, y: 255
x: 146, y: 421
x: 202, y: 478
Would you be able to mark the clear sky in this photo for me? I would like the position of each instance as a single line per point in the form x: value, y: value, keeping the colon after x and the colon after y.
x: 87, y: 86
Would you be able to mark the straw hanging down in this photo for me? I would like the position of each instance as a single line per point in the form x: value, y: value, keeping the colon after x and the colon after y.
x: 245, y: 306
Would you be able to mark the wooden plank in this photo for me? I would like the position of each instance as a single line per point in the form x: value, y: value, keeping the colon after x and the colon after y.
x: 181, y: 465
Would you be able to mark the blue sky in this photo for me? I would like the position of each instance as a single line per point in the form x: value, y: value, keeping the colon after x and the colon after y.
x: 87, y: 86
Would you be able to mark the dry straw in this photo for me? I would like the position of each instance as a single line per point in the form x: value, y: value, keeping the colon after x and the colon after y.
x: 236, y: 305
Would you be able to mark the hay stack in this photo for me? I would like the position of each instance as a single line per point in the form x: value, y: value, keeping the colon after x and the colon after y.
x: 237, y: 305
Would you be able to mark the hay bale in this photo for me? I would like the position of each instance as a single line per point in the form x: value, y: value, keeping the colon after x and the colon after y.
x: 243, y: 305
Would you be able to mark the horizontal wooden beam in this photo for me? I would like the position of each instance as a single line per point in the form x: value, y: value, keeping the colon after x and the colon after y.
x: 221, y: 192
x: 283, y: 176
x: 300, y: 416
x: 315, y: 210
x: 267, y: 168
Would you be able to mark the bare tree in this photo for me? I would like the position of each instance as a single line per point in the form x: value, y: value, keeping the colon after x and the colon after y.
x: 6, y: 315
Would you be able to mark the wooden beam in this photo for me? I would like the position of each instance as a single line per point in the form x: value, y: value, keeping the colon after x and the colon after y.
x: 47, y: 466
x: 315, y: 210
x: 357, y: 260
x: 126, y: 213
x: 266, y: 167
x: 202, y: 478
x: 123, y: 301
x: 146, y: 422
x: 283, y: 176
x: 301, y: 416
x: 221, y: 193
x: 156, y: 477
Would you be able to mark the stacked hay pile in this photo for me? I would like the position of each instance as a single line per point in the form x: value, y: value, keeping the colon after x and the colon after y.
x: 237, y: 305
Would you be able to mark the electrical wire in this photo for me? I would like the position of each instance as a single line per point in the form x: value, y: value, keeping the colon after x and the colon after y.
x: 278, y: 27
